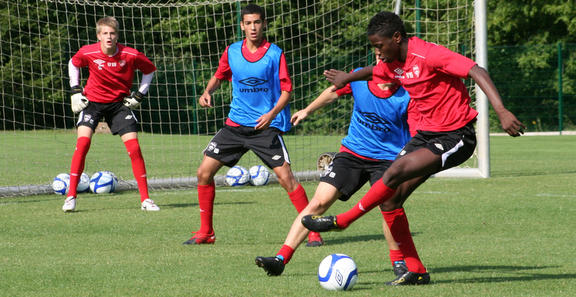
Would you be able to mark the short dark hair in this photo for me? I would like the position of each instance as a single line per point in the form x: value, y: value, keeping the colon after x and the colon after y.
x: 385, y: 24
x: 253, y: 9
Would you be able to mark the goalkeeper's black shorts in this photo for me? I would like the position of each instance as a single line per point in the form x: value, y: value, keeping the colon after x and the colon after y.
x: 120, y: 119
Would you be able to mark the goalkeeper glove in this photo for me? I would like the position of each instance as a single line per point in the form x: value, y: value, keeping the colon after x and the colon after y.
x: 133, y: 101
x: 78, y: 100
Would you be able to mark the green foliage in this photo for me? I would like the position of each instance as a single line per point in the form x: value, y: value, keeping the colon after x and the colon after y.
x: 185, y: 40
x: 524, y: 58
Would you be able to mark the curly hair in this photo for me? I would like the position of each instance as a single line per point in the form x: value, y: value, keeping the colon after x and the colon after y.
x: 386, y: 24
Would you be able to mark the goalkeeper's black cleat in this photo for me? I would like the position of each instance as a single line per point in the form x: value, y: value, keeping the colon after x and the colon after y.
x: 399, y: 268
x: 272, y: 265
x: 410, y: 278
x: 320, y: 223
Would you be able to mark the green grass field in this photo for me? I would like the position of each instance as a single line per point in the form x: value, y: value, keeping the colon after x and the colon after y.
x: 509, y: 235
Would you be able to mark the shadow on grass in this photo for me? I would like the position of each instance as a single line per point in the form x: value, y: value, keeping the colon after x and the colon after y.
x: 487, y: 268
x: 358, y: 238
x: 178, y: 205
x: 521, y: 274
x: 520, y: 271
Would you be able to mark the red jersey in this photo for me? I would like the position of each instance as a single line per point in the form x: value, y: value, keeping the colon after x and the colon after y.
x: 110, y: 77
x: 225, y: 73
x: 432, y: 75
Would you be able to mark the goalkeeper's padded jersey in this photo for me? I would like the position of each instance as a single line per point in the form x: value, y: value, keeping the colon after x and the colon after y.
x: 110, y: 77
x: 256, y: 87
x: 432, y: 75
x: 378, y: 126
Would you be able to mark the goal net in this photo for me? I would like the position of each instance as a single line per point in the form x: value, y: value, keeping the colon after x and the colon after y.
x: 185, y: 40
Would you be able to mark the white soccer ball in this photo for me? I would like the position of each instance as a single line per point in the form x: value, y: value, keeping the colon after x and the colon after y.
x: 237, y: 176
x: 83, y: 183
x: 103, y: 182
x: 259, y: 175
x: 61, y: 183
x: 337, y: 272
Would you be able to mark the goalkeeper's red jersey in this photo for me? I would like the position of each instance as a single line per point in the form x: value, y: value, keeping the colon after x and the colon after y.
x: 110, y: 77
x: 432, y: 75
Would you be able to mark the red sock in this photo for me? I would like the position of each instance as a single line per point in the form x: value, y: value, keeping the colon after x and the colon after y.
x: 286, y: 253
x: 206, y: 194
x: 378, y: 193
x: 138, y: 167
x: 299, y: 198
x: 396, y: 255
x: 78, y: 161
x: 400, y: 229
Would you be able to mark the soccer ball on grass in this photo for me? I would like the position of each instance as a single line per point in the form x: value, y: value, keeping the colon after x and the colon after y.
x: 103, y: 182
x: 337, y: 272
x: 259, y: 175
x: 237, y: 176
x: 83, y: 183
x: 60, y: 183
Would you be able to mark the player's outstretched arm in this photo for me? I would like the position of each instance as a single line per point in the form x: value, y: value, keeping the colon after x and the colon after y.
x: 206, y: 99
x: 508, y: 120
x: 326, y: 97
x: 340, y: 78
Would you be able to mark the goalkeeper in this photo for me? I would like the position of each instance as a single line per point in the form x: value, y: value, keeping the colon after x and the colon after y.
x: 378, y: 130
x: 111, y: 67
x: 259, y: 115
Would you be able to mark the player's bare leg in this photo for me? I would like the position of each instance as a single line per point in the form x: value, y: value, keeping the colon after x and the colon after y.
x: 325, y: 195
x: 297, y: 196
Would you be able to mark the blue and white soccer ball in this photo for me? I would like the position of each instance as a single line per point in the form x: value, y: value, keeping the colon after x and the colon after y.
x: 237, y: 176
x: 259, y: 175
x: 103, y: 182
x: 83, y: 183
x: 61, y: 183
x: 337, y: 272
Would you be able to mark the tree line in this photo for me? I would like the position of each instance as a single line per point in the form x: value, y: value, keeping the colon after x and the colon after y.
x: 185, y: 41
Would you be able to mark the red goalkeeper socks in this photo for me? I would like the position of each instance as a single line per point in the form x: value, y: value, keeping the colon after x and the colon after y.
x: 138, y: 167
x: 78, y: 161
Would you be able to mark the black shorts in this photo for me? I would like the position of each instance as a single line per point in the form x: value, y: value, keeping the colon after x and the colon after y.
x: 231, y: 143
x: 349, y: 173
x: 120, y: 118
x: 455, y: 147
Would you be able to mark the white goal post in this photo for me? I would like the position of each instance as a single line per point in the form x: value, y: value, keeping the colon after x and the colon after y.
x: 482, y: 170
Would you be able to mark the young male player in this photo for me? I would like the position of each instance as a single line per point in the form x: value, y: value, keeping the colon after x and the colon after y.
x: 259, y: 114
x: 111, y: 69
x: 432, y: 76
x: 378, y: 130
